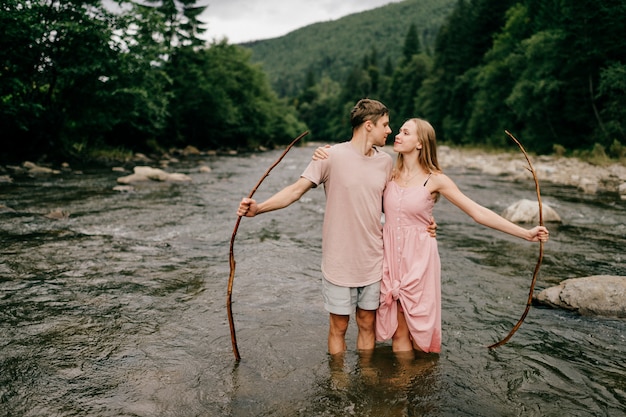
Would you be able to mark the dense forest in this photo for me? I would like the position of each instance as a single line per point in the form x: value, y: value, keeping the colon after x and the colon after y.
x: 553, y: 72
x: 80, y: 82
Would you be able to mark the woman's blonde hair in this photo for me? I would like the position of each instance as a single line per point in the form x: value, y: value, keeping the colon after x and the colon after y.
x: 427, y: 157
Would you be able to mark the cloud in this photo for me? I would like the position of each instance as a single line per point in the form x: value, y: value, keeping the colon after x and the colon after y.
x: 247, y: 20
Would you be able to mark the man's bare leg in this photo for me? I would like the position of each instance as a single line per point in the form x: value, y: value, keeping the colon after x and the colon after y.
x: 366, y: 320
x: 337, y: 333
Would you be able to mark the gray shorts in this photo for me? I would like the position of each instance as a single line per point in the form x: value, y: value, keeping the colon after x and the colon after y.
x: 345, y: 300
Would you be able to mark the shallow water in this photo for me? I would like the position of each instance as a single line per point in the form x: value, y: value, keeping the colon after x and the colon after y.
x: 119, y: 310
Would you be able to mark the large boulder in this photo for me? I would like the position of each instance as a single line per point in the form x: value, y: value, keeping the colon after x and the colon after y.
x: 527, y: 211
x: 597, y: 295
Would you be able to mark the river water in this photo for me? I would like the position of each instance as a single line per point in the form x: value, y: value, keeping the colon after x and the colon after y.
x: 120, y: 309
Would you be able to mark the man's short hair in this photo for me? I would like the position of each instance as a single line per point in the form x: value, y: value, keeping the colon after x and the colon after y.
x: 367, y: 109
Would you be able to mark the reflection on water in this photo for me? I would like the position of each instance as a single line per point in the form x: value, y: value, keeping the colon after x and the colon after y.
x: 119, y: 309
x: 384, y: 383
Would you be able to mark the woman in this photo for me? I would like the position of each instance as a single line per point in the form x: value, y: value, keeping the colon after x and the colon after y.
x: 410, y: 299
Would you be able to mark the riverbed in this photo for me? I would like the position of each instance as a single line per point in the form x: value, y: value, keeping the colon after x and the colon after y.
x: 118, y: 308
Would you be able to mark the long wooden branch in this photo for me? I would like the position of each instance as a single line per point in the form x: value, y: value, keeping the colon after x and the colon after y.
x: 231, y: 277
x: 540, y: 258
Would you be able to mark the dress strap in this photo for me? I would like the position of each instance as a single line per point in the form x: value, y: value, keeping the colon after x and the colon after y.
x: 427, y: 179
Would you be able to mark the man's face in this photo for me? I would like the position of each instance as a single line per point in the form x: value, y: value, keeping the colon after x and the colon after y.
x: 380, y: 131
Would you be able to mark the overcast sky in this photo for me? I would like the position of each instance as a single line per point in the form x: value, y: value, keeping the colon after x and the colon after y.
x: 248, y: 20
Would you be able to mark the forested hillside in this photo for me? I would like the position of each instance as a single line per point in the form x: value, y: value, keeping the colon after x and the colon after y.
x: 333, y: 48
x: 82, y: 83
x: 553, y: 72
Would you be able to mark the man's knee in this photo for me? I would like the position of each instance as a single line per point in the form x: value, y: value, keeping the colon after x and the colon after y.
x: 366, y: 319
x: 339, y: 323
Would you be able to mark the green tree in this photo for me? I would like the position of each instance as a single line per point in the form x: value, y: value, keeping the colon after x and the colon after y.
x: 494, y: 79
x: 221, y: 100
x: 407, y: 79
x: 321, y: 111
x: 182, y: 24
x: 446, y: 98
x: 556, y: 94
x: 55, y: 59
x: 537, y: 96
x: 133, y: 100
x: 411, y: 44
x: 23, y: 95
x: 612, y: 92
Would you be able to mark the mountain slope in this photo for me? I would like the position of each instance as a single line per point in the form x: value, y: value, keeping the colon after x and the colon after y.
x: 333, y: 48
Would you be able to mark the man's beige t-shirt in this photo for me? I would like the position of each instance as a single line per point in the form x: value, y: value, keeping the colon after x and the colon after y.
x: 352, y: 242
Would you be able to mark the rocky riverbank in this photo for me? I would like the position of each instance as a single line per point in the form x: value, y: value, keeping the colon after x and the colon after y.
x: 588, y: 178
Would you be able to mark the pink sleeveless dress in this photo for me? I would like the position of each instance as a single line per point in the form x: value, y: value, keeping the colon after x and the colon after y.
x: 411, y: 268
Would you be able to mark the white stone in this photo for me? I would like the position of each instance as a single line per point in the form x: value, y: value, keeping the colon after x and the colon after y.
x: 602, y: 295
x: 146, y: 173
x: 527, y: 211
x: 588, y: 186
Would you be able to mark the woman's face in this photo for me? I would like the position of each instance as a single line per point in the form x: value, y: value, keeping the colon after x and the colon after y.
x: 406, y: 140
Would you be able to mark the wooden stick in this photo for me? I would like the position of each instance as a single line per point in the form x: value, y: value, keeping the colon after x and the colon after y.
x: 231, y: 278
x: 538, y: 265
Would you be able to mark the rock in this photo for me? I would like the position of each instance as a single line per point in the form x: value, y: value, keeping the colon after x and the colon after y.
x: 545, y: 170
x: 124, y: 188
x: 145, y: 173
x: 204, y: 169
x: 586, y: 177
x: 588, y: 186
x: 132, y: 178
x: 622, y: 191
x: 58, y: 214
x: 35, y: 169
x: 154, y: 174
x: 139, y: 157
x: 598, y: 295
x: 527, y: 211
x: 5, y: 209
x: 16, y: 169
x: 178, y: 177
x: 190, y: 150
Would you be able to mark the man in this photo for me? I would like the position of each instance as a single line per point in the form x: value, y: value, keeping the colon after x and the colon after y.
x: 354, y: 177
